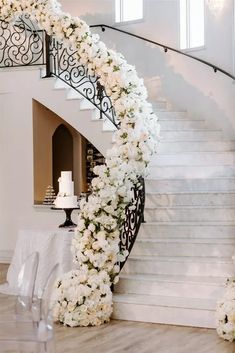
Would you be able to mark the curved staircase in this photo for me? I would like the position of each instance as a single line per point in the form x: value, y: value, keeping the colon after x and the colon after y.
x: 182, y: 256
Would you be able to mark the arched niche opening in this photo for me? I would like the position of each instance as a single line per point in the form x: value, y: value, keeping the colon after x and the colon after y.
x: 62, y: 153
x: 56, y: 145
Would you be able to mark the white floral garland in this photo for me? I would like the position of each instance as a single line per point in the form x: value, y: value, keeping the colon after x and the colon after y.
x: 225, y: 313
x: 83, y: 295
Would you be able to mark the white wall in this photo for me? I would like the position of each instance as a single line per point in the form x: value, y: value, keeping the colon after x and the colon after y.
x: 17, y: 89
x: 16, y: 160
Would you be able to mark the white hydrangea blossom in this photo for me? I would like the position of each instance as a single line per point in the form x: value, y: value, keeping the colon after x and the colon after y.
x: 225, y: 313
x: 83, y: 295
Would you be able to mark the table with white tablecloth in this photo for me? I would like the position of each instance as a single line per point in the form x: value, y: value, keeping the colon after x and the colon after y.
x: 52, y: 245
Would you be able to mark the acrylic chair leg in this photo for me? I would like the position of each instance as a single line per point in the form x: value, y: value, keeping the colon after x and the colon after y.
x: 50, y: 347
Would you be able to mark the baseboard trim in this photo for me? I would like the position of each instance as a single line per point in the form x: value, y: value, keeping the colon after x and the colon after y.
x: 5, y: 256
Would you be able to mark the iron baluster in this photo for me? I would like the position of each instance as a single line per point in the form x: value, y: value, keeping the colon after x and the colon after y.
x: 47, y: 55
x: 133, y: 219
x: 100, y: 94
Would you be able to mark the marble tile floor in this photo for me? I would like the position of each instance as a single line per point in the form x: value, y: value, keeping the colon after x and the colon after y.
x: 131, y: 337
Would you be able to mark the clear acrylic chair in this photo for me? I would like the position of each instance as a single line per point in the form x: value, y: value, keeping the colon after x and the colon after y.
x: 26, y: 336
x: 25, y: 290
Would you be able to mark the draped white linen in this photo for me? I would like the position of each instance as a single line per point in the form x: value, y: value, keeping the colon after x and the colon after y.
x: 53, y: 246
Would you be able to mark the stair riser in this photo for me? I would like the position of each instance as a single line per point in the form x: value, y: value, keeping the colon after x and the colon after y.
x: 188, y: 215
x: 164, y: 315
x: 180, y: 185
x: 181, y: 125
x: 86, y: 105
x: 195, y: 146
x: 108, y: 125
x: 171, y: 289
x: 182, y: 249
x: 179, y: 268
x: 60, y: 85
x: 200, y: 159
x: 72, y: 94
x: 191, y: 135
x: 159, y: 106
x: 166, y: 115
x: 191, y: 171
x: 203, y: 199
x: 187, y: 231
x: 96, y: 114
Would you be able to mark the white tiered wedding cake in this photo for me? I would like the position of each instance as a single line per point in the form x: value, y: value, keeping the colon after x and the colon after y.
x: 66, y: 197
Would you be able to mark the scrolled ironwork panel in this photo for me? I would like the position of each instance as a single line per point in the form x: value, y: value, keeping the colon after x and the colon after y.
x: 20, y: 45
x: 133, y: 219
x: 65, y: 65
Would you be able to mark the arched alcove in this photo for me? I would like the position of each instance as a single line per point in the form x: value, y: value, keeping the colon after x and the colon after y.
x: 57, y: 146
x: 62, y: 153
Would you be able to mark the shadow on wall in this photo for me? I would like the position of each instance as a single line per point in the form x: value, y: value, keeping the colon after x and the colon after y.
x: 184, y: 82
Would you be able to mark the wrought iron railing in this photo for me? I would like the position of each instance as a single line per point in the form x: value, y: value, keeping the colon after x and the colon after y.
x: 134, y: 218
x: 23, y: 44
x: 63, y: 62
x: 166, y: 48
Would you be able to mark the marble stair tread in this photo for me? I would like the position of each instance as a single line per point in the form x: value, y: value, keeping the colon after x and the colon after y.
x: 184, y: 259
x: 176, y: 246
x: 200, y: 179
x: 210, y: 130
x: 189, y: 192
x: 169, y: 147
x: 190, y: 213
x: 192, y: 265
x: 188, y: 230
x: 192, y: 303
x: 210, y: 281
x: 193, y: 135
x: 193, y: 158
x: 193, y: 153
x: 211, y: 184
x: 183, y: 199
x: 177, y: 239
x: 184, y: 286
x: 174, y: 115
x: 191, y: 207
x: 182, y: 124
x: 193, y: 223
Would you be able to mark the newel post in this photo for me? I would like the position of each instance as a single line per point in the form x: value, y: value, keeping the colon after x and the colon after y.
x: 47, y: 56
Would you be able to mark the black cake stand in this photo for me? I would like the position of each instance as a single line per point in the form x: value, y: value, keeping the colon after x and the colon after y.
x: 68, y: 221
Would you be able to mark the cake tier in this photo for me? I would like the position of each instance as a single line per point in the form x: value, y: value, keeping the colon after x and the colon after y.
x: 67, y: 175
x: 66, y: 187
x: 66, y: 202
